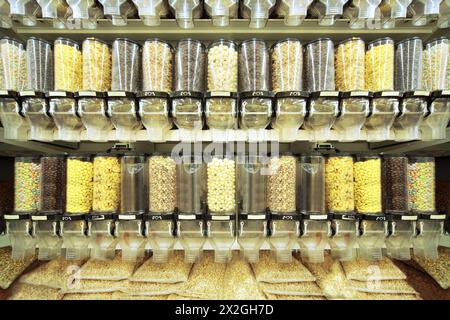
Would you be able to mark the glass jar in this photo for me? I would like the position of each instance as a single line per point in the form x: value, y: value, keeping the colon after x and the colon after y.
x: 134, y: 195
x: 68, y: 65
x: 287, y: 65
x: 339, y: 183
x: 106, y: 185
x: 367, y: 177
x: 408, y: 65
x: 53, y: 184
x: 190, y: 64
x: 282, y: 184
x: 12, y: 64
x: 422, y: 184
x: 162, y: 184
x: 350, y: 65
x: 27, y: 178
x: 39, y: 65
x: 221, y: 182
x: 380, y: 65
x: 252, y: 185
x: 395, y: 184
x: 79, y: 184
x: 311, y: 185
x: 126, y: 65
x: 253, y: 66
x: 157, y: 61
x: 222, y: 66
x: 435, y: 64
x: 96, y: 65
x: 319, y: 65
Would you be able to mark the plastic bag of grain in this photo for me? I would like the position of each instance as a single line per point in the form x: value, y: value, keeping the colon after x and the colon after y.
x: 438, y: 269
x: 114, y: 269
x: 292, y: 288
x: 125, y: 296
x: 27, y: 292
x: 56, y: 274
x: 240, y: 282
x: 364, y: 270
x: 384, y: 296
x: 11, y: 269
x: 267, y: 269
x: 271, y: 296
x: 88, y: 296
x: 385, y: 286
x: 206, y: 278
x: 149, y: 288
x: 94, y: 286
x: 173, y: 271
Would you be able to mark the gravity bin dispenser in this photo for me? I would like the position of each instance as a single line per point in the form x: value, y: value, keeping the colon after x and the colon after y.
x: 124, y: 115
x: 424, y: 11
x: 46, y: 222
x: 221, y: 11
x: 290, y: 113
x: 154, y: 110
x: 434, y: 125
x: 315, y: 227
x: 159, y: 221
x: 92, y: 109
x: 362, y: 13
x: 36, y: 111
x: 187, y: 112
x: 293, y: 11
x: 257, y: 11
x: 255, y: 114
x: 85, y: 13
x: 221, y: 111
x: 327, y: 11
x: 25, y: 11
x: 63, y: 109
x: 340, y: 202
x: 422, y: 194
x: 191, y: 199
x: 14, y: 123
x: 129, y: 228
x: 322, y: 113
x: 5, y: 17
x: 392, y: 11
x: 384, y: 109
x: 118, y: 11
x: 56, y: 10
x: 281, y: 201
x: 368, y: 203
x: 185, y: 11
x: 253, y: 218
x: 150, y: 11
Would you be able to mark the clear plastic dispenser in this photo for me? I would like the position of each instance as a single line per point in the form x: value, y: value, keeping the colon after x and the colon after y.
x: 5, y: 17
x: 129, y: 227
x: 293, y: 11
x: 14, y: 123
x: 327, y: 11
x: 353, y: 111
x: 118, y: 11
x: 315, y: 227
x: 85, y: 13
x: 56, y: 10
x: 79, y: 183
x: 187, y: 112
x: 368, y: 204
x: 162, y: 193
x: 255, y: 113
x: 36, y: 111
x: 424, y: 11
x: 191, y: 199
x: 221, y: 11
x: 257, y: 11
x: 105, y: 206
x: 392, y: 11
x: 25, y: 11
x: 221, y: 112
x: 434, y: 125
x: 361, y: 13
x: 322, y: 113
x: 154, y: 112
x: 340, y: 201
x: 290, y: 113
x: 63, y: 109
x: 384, y: 109
x: 46, y: 222
x: 92, y: 109
x: 444, y: 16
x: 151, y: 11
x: 253, y: 218
x: 281, y: 202
x: 413, y: 108
x: 402, y: 225
x: 123, y: 111
x: 185, y: 11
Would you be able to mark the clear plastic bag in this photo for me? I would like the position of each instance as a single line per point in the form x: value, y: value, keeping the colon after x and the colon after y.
x: 115, y: 269
x: 437, y: 269
x: 27, y: 292
x: 11, y: 269
x: 364, y: 270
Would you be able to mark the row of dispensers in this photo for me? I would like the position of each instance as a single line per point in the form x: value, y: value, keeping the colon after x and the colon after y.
x: 361, y: 13
x: 321, y: 116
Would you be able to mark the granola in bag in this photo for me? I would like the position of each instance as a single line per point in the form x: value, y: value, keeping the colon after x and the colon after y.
x: 23, y: 291
x: 292, y: 289
x: 88, y: 296
x: 438, y: 269
x: 115, y: 269
x: 149, y: 288
x: 272, y: 296
x: 11, y: 269
x: 94, y: 286
x: 364, y: 270
x: 125, y: 296
x: 385, y: 286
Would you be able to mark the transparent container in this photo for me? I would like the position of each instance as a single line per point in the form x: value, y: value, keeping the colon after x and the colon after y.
x: 157, y: 62
x: 367, y: 177
x: 123, y: 111
x: 187, y: 110
x: 162, y: 184
x: 252, y: 174
x: 287, y: 65
x: 27, y: 183
x: 444, y: 16
x: 185, y: 11
x: 53, y: 185
x: 221, y: 11
x: 118, y: 11
x: 85, y: 13
x: 435, y: 64
x: 63, y: 109
x: 35, y: 108
x: 190, y: 64
x: 5, y: 17
x: 323, y: 110
x: 361, y: 13
x: 413, y: 108
x: 150, y: 11
x: 434, y: 125
x: 106, y: 185
x: 384, y: 108
x: 408, y: 65
x: 154, y: 113
x: 290, y: 113
x: 380, y: 65
x: 293, y: 11
x: 14, y: 123
x: 12, y: 64
x: 319, y: 65
x: 255, y: 110
x: 392, y: 11
x: 134, y: 184
x: 222, y: 66
x: 96, y: 65
x: 92, y: 108
x: 68, y: 65
x: 422, y: 184
x: 339, y: 183
x: 126, y: 65
x: 221, y: 110
x: 282, y: 184
x: 56, y: 10
x: 254, y: 66
x: 354, y: 109
x: 258, y: 11
x: 80, y: 176
x: 191, y: 185
x: 424, y: 11
x: 311, y: 185
x: 221, y: 182
x: 25, y: 11
x: 350, y: 65
x: 39, y: 65
x: 327, y: 11
x: 395, y: 184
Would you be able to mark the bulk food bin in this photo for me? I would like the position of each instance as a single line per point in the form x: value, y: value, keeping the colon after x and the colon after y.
x: 350, y: 65
x: 392, y: 11
x: 185, y: 11
x: 435, y: 64
x: 36, y: 111
x: 123, y: 111
x: 92, y: 109
x: 24, y: 11
x: 380, y: 65
x: 384, y: 109
x: 151, y: 11
x: 57, y: 11
x: 96, y: 57
x: 68, y: 65
x: 293, y: 12
x: 191, y: 200
x: 154, y: 109
x: 413, y: 108
x: 290, y: 112
x: 118, y: 11
x: 254, y: 66
x: 157, y: 65
x: 281, y: 202
x: 319, y: 65
x: 64, y: 111
x: 287, y: 65
x: 85, y: 13
x: 353, y: 111
x: 323, y: 109
x: 408, y: 65
x: 126, y: 65
x: 257, y: 11
x: 327, y: 11
x: 14, y: 124
x: 5, y: 17
x: 435, y: 123
x: 424, y: 11
x: 361, y: 13
x: 221, y: 11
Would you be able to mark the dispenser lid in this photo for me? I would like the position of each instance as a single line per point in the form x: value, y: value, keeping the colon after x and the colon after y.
x: 292, y: 94
x: 120, y: 94
x: 127, y: 40
x: 221, y: 94
x: 252, y: 40
x: 74, y: 43
x: 284, y: 40
x: 13, y: 40
x: 59, y: 94
x: 379, y: 41
x: 193, y: 40
x: 31, y: 94
x: 356, y: 94
x: 256, y: 94
x: 152, y: 94
x: 407, y: 40
x: 95, y: 39
x: 324, y: 94
x: 318, y: 40
x: 387, y: 94
x: 186, y: 94
x: 90, y: 94
x: 350, y: 39
x: 440, y: 94
x: 40, y: 40
x: 8, y: 94
x: 443, y: 38
x: 417, y: 93
x: 159, y: 40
